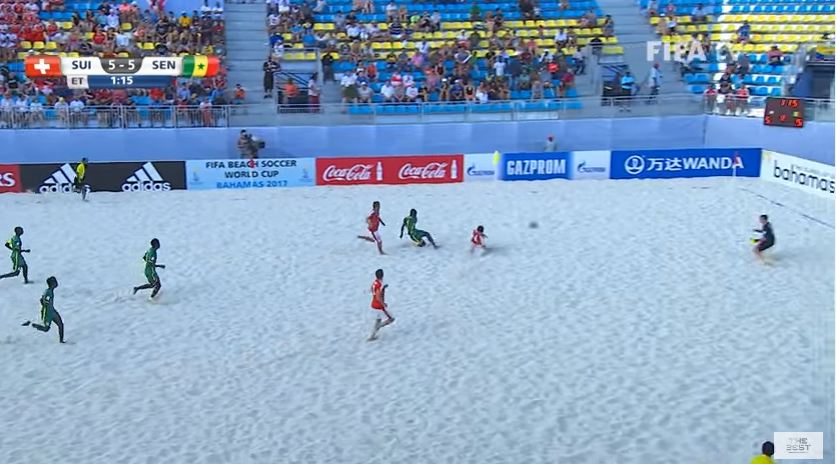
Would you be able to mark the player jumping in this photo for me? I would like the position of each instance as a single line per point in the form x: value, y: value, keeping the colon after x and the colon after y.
x: 417, y: 235
x: 766, y: 241
x: 379, y: 306
x: 78, y: 184
x: 478, y: 239
x: 150, y: 258
x: 373, y: 221
x: 18, y: 263
x: 48, y: 312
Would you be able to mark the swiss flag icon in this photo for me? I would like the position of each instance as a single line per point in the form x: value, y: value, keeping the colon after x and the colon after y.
x: 43, y: 66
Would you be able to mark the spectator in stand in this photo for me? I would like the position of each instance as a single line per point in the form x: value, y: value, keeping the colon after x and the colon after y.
x: 744, y: 32
x: 537, y: 89
x: 775, y: 56
x: 270, y: 68
x: 550, y: 145
x: 698, y: 14
x: 391, y: 11
x: 767, y: 450
x: 741, y: 100
x: 314, y: 92
x: 349, y: 88
x: 239, y: 96
x: 291, y: 93
x: 364, y: 93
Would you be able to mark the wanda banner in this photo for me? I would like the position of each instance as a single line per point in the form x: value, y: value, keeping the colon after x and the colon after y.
x: 10, y: 179
x: 392, y: 170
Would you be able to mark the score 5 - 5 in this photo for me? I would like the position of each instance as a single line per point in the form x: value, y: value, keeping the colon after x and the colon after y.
x: 121, y: 65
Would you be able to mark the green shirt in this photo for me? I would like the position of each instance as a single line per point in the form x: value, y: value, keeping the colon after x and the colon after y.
x: 150, y: 259
x: 14, y: 242
x: 409, y: 222
x: 46, y: 299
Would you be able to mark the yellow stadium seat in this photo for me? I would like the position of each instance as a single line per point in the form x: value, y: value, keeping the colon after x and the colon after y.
x: 74, y: 54
x: 148, y: 46
x: 62, y: 54
x: 51, y: 46
x: 66, y: 25
x: 25, y: 44
x: 127, y: 26
x: 22, y: 55
x: 123, y: 55
x: 38, y: 45
x: 310, y: 56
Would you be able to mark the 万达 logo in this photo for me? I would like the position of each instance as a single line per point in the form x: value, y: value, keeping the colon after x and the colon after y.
x: 634, y: 165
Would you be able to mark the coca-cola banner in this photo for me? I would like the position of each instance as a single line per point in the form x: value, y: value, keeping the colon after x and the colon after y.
x: 419, y: 169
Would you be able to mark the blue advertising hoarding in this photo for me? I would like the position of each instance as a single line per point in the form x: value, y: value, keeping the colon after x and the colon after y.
x: 669, y: 164
x: 534, y: 166
x: 243, y: 173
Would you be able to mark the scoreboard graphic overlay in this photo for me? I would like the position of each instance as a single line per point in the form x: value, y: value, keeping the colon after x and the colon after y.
x: 90, y: 72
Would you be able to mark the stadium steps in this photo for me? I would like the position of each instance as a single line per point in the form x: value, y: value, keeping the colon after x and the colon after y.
x: 247, y: 48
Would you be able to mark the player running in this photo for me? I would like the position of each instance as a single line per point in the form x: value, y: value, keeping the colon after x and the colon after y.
x: 18, y: 263
x: 379, y: 306
x: 150, y: 258
x: 477, y: 240
x: 417, y: 235
x: 48, y: 312
x: 373, y: 221
x: 78, y: 184
x: 767, y: 239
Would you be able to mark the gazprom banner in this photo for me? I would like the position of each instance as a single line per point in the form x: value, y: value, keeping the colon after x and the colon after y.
x: 534, y: 166
x: 669, y: 164
x: 243, y: 174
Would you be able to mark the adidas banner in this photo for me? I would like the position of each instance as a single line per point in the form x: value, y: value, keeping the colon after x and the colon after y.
x: 157, y: 176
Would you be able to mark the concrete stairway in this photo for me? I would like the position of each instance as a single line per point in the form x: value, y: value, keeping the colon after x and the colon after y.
x: 247, y: 48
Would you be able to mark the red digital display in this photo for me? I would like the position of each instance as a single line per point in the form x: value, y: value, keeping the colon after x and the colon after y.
x: 784, y: 112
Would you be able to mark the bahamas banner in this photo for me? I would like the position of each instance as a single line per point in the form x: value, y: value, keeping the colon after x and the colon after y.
x: 245, y: 174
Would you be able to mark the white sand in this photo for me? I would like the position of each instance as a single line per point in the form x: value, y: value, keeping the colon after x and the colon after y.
x: 633, y: 326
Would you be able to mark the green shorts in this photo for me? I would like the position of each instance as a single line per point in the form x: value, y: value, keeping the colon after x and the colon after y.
x: 419, y: 235
x: 152, y: 277
x: 17, y: 262
x: 46, y: 316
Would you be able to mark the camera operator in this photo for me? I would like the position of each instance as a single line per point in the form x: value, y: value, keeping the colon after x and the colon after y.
x: 248, y: 145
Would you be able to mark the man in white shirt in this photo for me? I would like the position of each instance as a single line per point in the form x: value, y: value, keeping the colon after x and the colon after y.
x: 284, y: 6
x: 272, y: 22
x: 113, y: 20
x: 411, y: 93
x: 388, y: 92
x: 499, y: 68
x: 320, y: 6
x: 365, y: 94
x: 123, y: 40
x: 481, y: 95
x: 654, y: 80
x: 698, y: 15
x: 391, y: 11
x: 423, y: 47
x: 353, y: 31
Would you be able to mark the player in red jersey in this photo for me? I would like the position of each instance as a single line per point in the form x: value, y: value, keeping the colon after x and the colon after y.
x: 478, y: 239
x: 382, y: 318
x: 373, y: 221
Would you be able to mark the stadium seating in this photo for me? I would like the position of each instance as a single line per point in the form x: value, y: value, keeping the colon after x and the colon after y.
x: 772, y: 24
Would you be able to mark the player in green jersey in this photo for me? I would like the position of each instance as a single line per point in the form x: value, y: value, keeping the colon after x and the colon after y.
x: 48, y: 312
x: 150, y: 258
x: 18, y: 263
x: 416, y: 235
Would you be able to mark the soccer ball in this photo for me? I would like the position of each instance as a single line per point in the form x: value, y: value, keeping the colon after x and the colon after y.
x: 533, y: 225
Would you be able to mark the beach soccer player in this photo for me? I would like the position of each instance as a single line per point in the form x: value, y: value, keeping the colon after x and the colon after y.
x: 373, y: 222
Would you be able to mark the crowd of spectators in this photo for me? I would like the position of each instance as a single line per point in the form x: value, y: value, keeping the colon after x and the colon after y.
x: 451, y: 72
x: 111, y: 30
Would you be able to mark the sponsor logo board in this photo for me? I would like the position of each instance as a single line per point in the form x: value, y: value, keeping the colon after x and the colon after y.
x: 534, y: 166
x: 10, y: 179
x: 244, y: 174
x: 422, y: 169
x: 590, y: 165
x: 480, y: 166
x: 791, y: 171
x: 670, y: 164
x: 157, y: 176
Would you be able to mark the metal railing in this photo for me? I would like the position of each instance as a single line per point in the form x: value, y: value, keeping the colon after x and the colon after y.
x: 121, y: 117
x: 542, y: 109
x: 127, y: 117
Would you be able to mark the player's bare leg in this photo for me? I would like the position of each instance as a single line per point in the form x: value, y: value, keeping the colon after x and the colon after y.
x: 377, y: 326
x: 366, y: 238
x: 380, y: 246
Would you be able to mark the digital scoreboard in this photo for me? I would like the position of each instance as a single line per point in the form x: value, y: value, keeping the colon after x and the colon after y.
x: 90, y: 72
x: 784, y: 112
